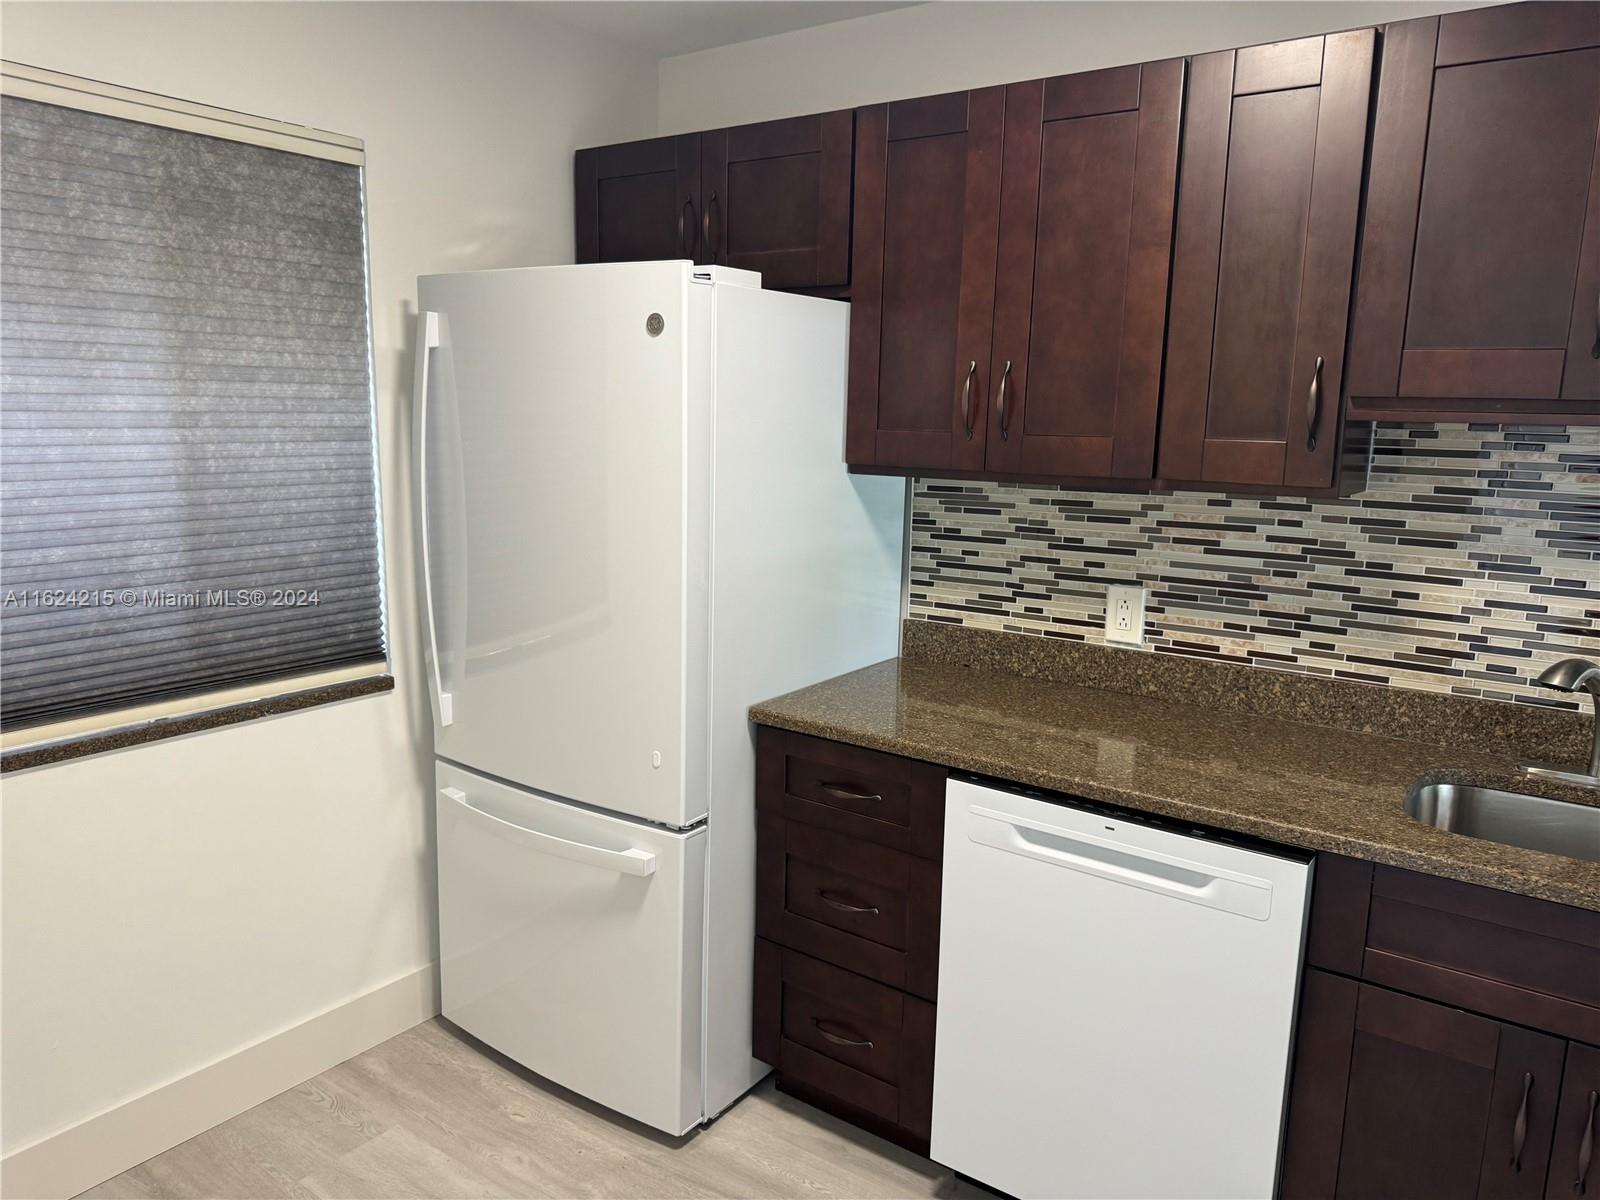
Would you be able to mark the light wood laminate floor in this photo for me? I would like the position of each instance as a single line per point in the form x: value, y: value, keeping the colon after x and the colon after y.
x: 434, y: 1113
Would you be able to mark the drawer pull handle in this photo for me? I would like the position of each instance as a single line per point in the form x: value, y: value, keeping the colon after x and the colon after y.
x: 1586, y: 1148
x: 844, y: 791
x: 1519, y: 1130
x: 834, y: 900
x: 840, y: 1039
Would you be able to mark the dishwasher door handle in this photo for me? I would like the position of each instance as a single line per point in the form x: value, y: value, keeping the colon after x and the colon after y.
x: 1122, y: 862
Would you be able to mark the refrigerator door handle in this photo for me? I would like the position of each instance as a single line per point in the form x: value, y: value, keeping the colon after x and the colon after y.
x: 625, y: 862
x: 427, y: 340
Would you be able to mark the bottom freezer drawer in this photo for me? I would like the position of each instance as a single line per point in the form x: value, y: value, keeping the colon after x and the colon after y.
x: 571, y: 941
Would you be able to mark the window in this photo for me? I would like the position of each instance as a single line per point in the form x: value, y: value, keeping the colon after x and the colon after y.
x: 188, y: 492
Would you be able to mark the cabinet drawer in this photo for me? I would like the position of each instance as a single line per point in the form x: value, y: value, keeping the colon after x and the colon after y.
x: 842, y: 1016
x: 1512, y: 957
x: 864, y: 907
x: 846, y: 1043
x: 866, y: 794
x: 869, y: 784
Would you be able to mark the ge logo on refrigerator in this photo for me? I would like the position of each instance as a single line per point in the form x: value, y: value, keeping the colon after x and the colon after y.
x: 653, y: 324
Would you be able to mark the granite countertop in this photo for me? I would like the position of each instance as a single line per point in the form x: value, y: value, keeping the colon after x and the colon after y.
x: 1297, y: 784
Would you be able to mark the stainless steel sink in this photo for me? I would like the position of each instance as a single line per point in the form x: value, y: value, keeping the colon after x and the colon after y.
x: 1533, y: 822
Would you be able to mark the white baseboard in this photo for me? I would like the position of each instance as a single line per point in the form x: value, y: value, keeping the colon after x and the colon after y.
x: 88, y: 1153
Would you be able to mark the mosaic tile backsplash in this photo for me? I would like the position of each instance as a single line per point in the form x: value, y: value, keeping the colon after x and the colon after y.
x: 1469, y: 562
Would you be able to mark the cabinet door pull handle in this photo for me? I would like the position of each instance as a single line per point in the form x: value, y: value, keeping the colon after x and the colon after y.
x: 844, y: 791
x: 1519, y: 1130
x: 841, y: 1038
x: 1005, y: 417
x: 1314, y: 405
x: 966, y: 398
x: 710, y: 242
x: 686, y: 225
x: 1594, y: 350
x: 1586, y: 1147
x: 834, y: 900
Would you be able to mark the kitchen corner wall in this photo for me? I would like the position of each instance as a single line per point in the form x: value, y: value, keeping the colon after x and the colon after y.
x: 1470, y: 560
x: 169, y: 905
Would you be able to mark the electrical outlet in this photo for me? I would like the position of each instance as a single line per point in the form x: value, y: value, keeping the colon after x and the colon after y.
x: 1125, y: 615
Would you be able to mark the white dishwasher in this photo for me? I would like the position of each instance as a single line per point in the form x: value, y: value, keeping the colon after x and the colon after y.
x: 1116, y: 1002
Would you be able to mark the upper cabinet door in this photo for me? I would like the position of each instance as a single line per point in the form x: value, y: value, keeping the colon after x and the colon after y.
x: 1086, y: 207
x: 777, y: 199
x: 1274, y: 142
x: 1480, y: 268
x: 927, y: 208
x: 639, y: 201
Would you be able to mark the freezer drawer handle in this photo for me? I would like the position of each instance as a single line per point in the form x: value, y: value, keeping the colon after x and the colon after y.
x: 844, y: 791
x: 1120, y: 862
x: 624, y: 862
x: 840, y: 1039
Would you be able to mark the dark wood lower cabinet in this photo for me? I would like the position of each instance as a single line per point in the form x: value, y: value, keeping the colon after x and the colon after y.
x: 1326, y: 1025
x: 1444, y: 1045
x: 1400, y: 1097
x: 1444, y: 1103
x: 848, y: 849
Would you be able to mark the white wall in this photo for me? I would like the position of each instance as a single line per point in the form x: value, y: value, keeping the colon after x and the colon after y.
x: 944, y: 47
x: 168, y: 905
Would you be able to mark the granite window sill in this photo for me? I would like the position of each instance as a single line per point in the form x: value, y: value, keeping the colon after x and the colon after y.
x: 23, y: 758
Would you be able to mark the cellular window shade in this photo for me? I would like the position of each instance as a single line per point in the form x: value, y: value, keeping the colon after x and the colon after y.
x: 187, y: 489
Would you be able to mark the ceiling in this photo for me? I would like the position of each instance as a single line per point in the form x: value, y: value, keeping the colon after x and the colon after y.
x: 668, y: 27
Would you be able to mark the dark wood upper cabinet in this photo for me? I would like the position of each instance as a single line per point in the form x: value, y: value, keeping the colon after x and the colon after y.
x: 639, y: 201
x: 1274, y: 142
x: 773, y: 198
x: 1086, y: 208
x: 927, y: 212
x: 1479, y: 278
x: 776, y: 199
x: 1150, y: 274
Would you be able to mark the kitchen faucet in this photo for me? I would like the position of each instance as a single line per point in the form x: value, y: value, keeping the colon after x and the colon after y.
x: 1573, y: 675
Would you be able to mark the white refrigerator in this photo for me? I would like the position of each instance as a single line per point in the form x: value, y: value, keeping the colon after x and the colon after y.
x: 634, y: 521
